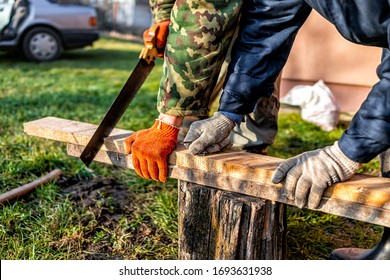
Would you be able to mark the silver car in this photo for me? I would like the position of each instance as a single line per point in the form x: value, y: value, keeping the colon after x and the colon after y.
x: 43, y: 29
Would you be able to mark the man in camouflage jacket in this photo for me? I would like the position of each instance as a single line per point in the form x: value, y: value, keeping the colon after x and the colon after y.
x: 200, y: 34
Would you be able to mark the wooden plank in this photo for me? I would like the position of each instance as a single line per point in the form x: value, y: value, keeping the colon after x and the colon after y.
x: 329, y: 204
x: 362, y: 197
x: 74, y: 132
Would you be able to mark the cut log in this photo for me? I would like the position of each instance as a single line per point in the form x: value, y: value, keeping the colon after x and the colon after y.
x: 364, y: 198
x: 215, y: 224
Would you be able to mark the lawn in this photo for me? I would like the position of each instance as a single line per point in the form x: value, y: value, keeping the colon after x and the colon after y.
x: 104, y: 212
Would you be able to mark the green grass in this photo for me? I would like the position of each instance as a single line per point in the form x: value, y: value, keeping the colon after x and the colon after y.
x: 48, y: 224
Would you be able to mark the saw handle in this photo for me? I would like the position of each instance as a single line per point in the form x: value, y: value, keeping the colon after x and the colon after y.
x: 149, y: 52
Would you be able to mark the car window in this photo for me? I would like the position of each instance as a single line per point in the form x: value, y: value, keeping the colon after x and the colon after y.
x: 5, y: 12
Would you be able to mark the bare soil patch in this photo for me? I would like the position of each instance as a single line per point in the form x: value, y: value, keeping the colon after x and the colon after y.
x: 108, y: 202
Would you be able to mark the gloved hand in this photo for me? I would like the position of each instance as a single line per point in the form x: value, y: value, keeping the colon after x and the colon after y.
x: 160, y: 37
x: 309, y: 174
x: 150, y: 149
x: 209, y: 135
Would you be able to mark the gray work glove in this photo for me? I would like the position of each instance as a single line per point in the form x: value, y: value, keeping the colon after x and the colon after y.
x: 209, y: 135
x: 309, y: 174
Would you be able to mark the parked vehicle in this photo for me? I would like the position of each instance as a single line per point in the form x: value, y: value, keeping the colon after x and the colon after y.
x: 43, y: 29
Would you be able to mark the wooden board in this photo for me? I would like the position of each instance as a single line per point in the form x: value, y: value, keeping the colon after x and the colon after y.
x: 362, y: 197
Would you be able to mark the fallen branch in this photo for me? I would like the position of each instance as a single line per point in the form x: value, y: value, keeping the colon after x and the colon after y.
x: 25, y: 189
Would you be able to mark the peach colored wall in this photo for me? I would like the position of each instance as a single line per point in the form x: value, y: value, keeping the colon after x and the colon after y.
x: 319, y: 52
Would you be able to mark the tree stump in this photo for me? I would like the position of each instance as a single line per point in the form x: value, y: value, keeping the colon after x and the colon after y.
x: 216, y: 224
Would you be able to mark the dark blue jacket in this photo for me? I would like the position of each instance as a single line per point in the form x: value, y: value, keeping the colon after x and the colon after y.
x: 267, y: 32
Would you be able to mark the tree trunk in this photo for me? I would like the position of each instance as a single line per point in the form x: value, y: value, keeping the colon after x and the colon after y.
x: 215, y: 224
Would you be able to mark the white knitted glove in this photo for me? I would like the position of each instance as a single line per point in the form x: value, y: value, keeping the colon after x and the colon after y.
x: 209, y: 135
x: 309, y: 174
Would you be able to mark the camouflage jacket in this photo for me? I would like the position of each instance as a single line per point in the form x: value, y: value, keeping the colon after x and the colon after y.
x: 199, y: 37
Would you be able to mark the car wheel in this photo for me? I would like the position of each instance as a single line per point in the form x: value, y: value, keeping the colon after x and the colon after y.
x: 42, y: 44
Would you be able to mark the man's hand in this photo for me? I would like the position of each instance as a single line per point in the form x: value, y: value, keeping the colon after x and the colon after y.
x: 308, y: 175
x: 210, y: 135
x: 150, y: 149
x: 161, y: 36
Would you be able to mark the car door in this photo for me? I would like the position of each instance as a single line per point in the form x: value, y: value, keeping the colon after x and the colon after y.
x: 5, y: 12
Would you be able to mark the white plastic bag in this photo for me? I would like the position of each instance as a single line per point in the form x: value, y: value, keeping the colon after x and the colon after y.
x: 317, y: 104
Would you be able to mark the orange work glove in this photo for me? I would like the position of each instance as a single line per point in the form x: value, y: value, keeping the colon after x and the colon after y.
x: 150, y: 149
x: 161, y: 36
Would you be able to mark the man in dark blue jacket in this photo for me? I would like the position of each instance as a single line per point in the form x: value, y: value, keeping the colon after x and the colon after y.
x: 267, y: 31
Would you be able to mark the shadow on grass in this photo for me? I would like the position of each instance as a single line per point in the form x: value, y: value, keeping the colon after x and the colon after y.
x: 81, y: 85
x: 87, y: 58
x: 86, y: 106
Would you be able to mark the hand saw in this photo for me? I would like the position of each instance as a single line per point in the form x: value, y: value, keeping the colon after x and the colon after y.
x: 129, y: 90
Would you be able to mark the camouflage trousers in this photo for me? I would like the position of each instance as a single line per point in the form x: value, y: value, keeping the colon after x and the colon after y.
x: 195, y: 59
